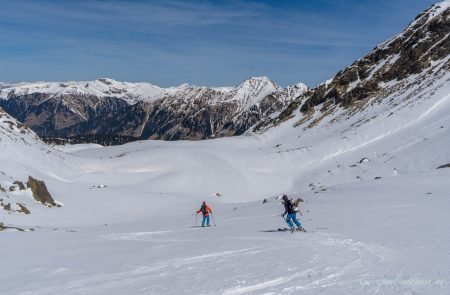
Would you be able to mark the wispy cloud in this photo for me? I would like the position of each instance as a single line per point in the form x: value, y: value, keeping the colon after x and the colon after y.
x: 166, y: 42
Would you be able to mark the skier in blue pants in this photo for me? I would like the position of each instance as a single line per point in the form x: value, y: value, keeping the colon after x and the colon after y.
x: 291, y: 217
x: 205, y: 210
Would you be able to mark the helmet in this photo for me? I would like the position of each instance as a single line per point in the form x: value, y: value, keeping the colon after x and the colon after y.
x: 204, y: 202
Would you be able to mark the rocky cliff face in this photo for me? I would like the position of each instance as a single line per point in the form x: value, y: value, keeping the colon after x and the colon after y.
x: 115, y: 110
x: 401, y: 66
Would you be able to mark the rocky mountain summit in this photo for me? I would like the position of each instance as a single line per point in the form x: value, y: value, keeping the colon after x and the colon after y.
x: 114, y: 110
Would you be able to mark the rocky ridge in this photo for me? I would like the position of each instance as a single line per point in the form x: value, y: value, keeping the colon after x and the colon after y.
x: 118, y: 110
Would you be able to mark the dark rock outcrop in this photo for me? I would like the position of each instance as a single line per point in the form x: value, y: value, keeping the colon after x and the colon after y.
x: 40, y: 192
x: 20, y: 185
x: 6, y: 206
x: 23, y: 209
x: 4, y: 227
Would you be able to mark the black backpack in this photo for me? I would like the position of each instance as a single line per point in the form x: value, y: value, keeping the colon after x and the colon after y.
x: 203, y: 208
x: 289, y: 206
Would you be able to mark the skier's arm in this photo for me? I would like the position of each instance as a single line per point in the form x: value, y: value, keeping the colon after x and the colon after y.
x: 285, y: 210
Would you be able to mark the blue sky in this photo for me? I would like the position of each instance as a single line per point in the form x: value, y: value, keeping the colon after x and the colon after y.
x: 199, y: 42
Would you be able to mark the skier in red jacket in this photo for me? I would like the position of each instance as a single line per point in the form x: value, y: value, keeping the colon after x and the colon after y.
x: 205, y: 211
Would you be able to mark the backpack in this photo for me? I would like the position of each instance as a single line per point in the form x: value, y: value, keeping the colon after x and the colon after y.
x: 203, y: 208
x: 289, y: 207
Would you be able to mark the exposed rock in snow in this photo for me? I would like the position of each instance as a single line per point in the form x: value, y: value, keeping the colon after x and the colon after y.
x: 20, y: 185
x: 40, y: 191
x: 364, y: 160
x: 444, y: 166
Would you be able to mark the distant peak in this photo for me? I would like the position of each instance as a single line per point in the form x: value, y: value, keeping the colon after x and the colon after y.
x: 300, y: 85
x: 257, y: 81
x: 107, y: 81
x: 261, y: 78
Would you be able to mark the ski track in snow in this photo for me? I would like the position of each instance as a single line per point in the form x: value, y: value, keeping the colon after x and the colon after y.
x: 327, y: 262
x: 139, y: 236
x: 351, y: 257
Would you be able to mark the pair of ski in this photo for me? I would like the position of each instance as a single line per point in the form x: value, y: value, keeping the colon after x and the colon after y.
x: 292, y: 230
x: 285, y: 230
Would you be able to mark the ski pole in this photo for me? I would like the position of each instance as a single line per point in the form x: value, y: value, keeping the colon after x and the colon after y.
x: 196, y: 219
x: 212, y: 216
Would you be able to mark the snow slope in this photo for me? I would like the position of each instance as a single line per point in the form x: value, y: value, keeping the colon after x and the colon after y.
x: 23, y: 154
x: 374, y: 238
x: 375, y: 207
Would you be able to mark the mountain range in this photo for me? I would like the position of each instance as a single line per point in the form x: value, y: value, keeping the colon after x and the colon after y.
x: 118, y: 111
x: 111, y: 112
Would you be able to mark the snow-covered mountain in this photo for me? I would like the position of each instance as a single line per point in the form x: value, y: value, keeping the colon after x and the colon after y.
x: 103, y: 87
x: 403, y: 70
x: 105, y: 107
